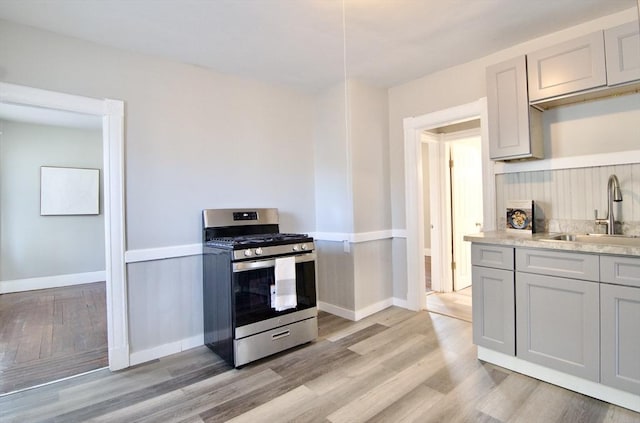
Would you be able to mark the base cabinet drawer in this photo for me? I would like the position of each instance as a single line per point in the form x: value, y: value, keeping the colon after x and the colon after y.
x: 620, y: 270
x: 557, y: 322
x: 620, y: 339
x: 494, y: 256
x: 558, y: 263
x: 493, y: 309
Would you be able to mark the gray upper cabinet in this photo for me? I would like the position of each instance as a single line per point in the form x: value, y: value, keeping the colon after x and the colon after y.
x: 565, y: 68
x: 622, y: 46
x: 515, y: 129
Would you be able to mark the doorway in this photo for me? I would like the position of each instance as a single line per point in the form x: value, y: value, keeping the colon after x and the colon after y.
x: 52, y: 260
x: 111, y: 113
x: 460, y: 158
x: 441, y: 252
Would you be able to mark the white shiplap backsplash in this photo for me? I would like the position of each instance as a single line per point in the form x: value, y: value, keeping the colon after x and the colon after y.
x: 568, y: 197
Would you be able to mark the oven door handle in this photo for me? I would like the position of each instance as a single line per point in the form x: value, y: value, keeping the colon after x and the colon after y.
x: 244, y: 266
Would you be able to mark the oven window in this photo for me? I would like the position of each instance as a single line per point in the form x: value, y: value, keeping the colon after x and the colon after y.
x: 252, y: 293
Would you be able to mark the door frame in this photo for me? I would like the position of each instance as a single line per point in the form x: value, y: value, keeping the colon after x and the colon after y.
x: 112, y: 114
x: 414, y: 128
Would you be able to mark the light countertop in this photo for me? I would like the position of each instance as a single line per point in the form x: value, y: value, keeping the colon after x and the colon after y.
x: 538, y: 241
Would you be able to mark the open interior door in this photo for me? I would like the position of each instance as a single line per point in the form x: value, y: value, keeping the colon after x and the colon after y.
x: 466, y: 204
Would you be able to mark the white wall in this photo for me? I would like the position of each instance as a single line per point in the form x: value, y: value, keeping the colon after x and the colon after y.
x: 352, y: 199
x: 452, y: 87
x: 194, y: 139
x: 31, y: 245
x: 369, y: 144
x: 603, y: 126
x: 333, y: 195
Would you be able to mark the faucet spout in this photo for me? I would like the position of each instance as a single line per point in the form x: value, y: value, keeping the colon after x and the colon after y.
x: 613, y: 194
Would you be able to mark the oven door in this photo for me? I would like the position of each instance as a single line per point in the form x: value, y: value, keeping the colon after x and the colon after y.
x: 252, y: 281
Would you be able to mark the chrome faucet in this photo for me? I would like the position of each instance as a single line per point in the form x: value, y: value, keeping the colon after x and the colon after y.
x: 613, y: 194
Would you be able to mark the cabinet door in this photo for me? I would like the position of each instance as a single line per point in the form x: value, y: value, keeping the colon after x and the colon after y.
x: 622, y: 45
x: 509, y: 117
x: 558, y: 323
x: 568, y: 67
x: 620, y: 343
x: 493, y: 309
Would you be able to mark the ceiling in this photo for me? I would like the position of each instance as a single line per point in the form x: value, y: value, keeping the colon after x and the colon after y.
x: 303, y: 43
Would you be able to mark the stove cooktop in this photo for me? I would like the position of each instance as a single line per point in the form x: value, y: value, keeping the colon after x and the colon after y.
x: 257, y: 240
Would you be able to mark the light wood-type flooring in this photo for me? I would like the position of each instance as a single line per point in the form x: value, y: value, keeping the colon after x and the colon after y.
x: 394, y: 366
x: 454, y: 304
x: 49, y: 334
x: 427, y: 273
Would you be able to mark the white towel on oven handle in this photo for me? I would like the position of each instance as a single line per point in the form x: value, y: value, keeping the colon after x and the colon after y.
x: 286, y: 296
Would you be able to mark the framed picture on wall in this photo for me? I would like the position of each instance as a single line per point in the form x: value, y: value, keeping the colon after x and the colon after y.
x: 69, y: 191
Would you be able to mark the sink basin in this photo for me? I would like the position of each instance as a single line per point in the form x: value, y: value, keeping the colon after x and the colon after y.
x: 632, y: 241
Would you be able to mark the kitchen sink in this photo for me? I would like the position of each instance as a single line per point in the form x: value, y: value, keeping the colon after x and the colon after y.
x: 629, y: 240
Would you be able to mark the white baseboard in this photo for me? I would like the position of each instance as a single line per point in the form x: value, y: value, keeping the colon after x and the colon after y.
x: 336, y: 310
x: 573, y: 383
x: 30, y: 284
x: 373, y: 308
x: 361, y: 313
x: 164, y: 350
x: 399, y: 302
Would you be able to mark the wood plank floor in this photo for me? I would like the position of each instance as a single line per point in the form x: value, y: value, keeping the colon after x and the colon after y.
x: 394, y: 366
x: 453, y: 304
x: 49, y: 334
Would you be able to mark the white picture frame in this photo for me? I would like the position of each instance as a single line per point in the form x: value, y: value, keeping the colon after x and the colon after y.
x: 69, y: 191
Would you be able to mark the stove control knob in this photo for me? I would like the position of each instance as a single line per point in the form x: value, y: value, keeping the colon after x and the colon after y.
x: 304, y: 247
x: 296, y: 247
x: 247, y: 253
x: 258, y: 251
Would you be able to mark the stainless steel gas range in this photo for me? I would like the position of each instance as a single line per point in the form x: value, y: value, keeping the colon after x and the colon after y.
x: 259, y: 285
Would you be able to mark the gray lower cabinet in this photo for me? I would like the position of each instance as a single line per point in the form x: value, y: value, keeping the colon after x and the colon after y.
x: 558, y: 323
x: 493, y: 309
x: 620, y: 340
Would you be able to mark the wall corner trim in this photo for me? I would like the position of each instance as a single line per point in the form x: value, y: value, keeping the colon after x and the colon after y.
x: 359, y: 236
x: 161, y: 253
